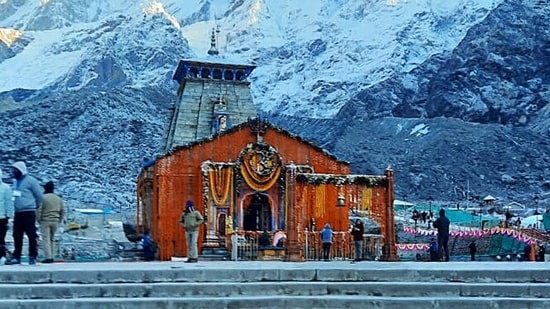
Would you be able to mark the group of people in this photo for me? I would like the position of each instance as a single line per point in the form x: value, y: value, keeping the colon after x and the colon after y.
x: 439, y: 250
x: 357, y: 231
x: 424, y: 217
x: 534, y: 252
x: 27, y: 202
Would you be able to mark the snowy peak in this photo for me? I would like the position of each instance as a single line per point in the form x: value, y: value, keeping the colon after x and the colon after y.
x: 306, y: 51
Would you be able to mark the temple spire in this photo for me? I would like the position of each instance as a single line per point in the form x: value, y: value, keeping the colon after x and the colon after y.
x: 213, y: 48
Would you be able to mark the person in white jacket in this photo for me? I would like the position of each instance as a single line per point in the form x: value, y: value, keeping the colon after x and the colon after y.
x: 6, y: 211
x: 28, y: 194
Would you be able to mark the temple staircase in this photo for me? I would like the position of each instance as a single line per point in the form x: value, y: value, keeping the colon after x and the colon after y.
x: 214, y: 254
x: 336, y: 284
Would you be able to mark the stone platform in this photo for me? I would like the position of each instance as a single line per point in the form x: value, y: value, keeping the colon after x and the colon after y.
x: 273, y: 284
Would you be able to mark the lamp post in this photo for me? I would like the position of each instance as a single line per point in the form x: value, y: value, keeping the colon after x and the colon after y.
x: 405, y: 207
x: 536, y: 199
x: 430, y: 202
x: 430, y: 213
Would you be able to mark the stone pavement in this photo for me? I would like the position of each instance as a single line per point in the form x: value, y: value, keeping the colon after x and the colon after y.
x: 273, y: 284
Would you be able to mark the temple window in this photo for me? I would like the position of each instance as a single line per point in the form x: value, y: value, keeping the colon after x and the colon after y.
x: 217, y: 74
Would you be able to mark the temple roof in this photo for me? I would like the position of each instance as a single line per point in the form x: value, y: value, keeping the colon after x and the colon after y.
x: 253, y: 123
x: 197, y: 68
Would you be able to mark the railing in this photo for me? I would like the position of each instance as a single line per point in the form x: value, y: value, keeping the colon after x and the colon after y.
x: 536, y: 234
x: 245, y: 245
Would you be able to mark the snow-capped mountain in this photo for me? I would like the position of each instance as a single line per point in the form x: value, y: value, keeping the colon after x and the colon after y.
x: 312, y: 51
x: 85, y: 86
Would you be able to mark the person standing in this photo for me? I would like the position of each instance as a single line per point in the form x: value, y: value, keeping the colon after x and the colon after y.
x: 49, y: 215
x: 28, y: 195
x: 148, y: 245
x: 279, y: 239
x: 434, y: 251
x: 527, y: 252
x: 357, y: 232
x: 191, y: 219
x: 6, y: 210
x: 442, y: 225
x: 542, y: 252
x: 473, y: 250
x: 326, y: 239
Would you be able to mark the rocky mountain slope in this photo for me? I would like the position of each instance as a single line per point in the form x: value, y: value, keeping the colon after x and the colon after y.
x: 452, y: 104
x: 484, y: 107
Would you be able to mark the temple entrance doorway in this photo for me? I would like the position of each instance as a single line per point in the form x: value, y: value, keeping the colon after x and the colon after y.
x: 222, y: 224
x: 258, y: 216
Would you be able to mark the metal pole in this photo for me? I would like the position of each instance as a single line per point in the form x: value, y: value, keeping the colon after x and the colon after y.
x: 234, y: 248
x: 307, y: 243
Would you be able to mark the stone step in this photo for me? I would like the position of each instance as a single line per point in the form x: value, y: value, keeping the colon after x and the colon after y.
x: 213, y: 257
x: 257, y: 285
x: 257, y: 289
x: 223, y: 271
x: 297, y: 302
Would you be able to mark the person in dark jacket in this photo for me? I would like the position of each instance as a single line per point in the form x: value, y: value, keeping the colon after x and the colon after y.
x: 442, y: 225
x: 357, y: 232
x: 28, y: 195
x: 326, y: 239
x: 473, y: 250
x: 434, y: 250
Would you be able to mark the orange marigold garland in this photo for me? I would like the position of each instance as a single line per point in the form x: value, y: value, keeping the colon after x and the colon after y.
x: 260, y: 166
x: 220, y: 183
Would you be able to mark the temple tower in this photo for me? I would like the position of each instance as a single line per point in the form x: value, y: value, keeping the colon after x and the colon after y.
x: 213, y: 95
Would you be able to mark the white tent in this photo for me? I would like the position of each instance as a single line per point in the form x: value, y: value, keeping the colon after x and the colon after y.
x: 489, y: 198
x: 402, y: 203
x: 532, y: 221
x: 514, y: 206
x: 94, y: 211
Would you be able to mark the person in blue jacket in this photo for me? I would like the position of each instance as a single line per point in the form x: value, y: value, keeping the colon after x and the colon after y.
x: 326, y: 239
x: 434, y: 250
x: 148, y: 245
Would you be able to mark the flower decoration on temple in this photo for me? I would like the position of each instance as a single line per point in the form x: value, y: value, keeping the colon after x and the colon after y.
x: 260, y: 166
x: 318, y: 179
x: 218, y: 180
x: 220, y: 183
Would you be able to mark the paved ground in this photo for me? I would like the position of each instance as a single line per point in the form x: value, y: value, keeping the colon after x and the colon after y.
x: 127, y: 266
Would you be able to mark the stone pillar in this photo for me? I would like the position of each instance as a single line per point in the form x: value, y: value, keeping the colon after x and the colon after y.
x: 389, y: 252
x: 211, y: 239
x: 293, y: 247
